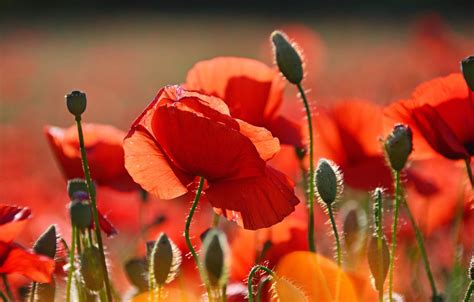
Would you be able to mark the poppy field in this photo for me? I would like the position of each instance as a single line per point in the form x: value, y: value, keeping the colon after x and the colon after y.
x: 282, y: 161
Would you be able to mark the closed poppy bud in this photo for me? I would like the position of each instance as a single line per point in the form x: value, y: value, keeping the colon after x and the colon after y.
x: 77, y: 189
x: 90, y: 270
x: 136, y: 270
x: 46, y: 243
x: 287, y: 58
x: 328, y: 179
x: 80, y: 213
x: 398, y: 146
x: 215, y: 252
x: 164, y: 260
x: 379, y: 259
x: 467, y: 67
x: 76, y: 102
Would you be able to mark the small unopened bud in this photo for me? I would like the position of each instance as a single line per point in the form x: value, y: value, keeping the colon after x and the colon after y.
x: 80, y: 213
x: 46, y: 243
x: 76, y: 102
x: 77, y: 187
x: 136, y: 270
x: 379, y: 260
x: 164, y: 260
x: 90, y: 270
x: 329, y: 183
x: 215, y: 258
x: 467, y: 67
x: 398, y: 146
x: 287, y: 58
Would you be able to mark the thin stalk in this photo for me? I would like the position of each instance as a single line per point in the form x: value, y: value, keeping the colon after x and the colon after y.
x: 336, y: 235
x: 260, y: 287
x: 188, y: 222
x: 421, y: 246
x: 394, y: 235
x: 469, y: 172
x: 4, y: 298
x: 250, y: 277
x: 33, y: 292
x: 378, y: 224
x: 311, y: 243
x: 85, y: 166
x: 469, y: 291
x: 71, y: 264
x: 7, y: 287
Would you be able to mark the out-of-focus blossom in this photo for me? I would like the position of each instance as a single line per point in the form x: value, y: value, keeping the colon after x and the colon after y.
x: 252, y: 91
x: 182, y: 135
x: 104, y: 150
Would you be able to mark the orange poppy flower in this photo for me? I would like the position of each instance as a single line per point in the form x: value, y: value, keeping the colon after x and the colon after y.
x: 15, y: 258
x: 441, y: 115
x: 182, y: 135
x: 104, y: 152
x: 252, y: 91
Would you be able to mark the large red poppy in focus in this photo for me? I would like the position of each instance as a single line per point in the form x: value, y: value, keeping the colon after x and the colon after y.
x: 252, y: 91
x: 441, y: 115
x: 182, y: 135
x: 104, y: 150
x: 13, y: 257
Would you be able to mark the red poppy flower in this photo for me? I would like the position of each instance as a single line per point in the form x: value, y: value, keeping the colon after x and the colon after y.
x: 441, y: 115
x: 349, y: 134
x: 252, y: 90
x: 104, y: 152
x: 13, y: 257
x: 182, y: 135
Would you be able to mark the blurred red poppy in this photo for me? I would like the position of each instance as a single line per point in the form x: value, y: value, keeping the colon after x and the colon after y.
x: 103, y: 145
x: 182, y: 135
x: 252, y: 90
x: 441, y: 115
x: 15, y: 258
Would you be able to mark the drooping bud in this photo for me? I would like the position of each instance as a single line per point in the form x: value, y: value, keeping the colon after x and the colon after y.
x: 398, y: 146
x: 287, y: 58
x: 76, y: 102
x: 329, y: 183
x: 80, y: 213
x: 215, y: 251
x: 379, y: 259
x: 164, y: 260
x: 90, y: 270
x: 46, y: 243
x: 77, y: 187
x: 136, y: 269
x: 467, y: 67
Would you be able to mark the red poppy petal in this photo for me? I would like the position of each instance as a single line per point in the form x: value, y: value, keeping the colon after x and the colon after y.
x: 18, y: 260
x: 150, y: 168
x: 260, y: 201
x: 266, y: 145
x: 106, y: 226
x: 12, y: 221
x: 287, y: 131
x: 202, y: 146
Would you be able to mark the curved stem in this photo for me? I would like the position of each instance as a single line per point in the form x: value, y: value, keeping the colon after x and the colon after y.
x: 336, y: 235
x: 71, y: 264
x: 469, y: 172
x: 188, y: 223
x: 85, y: 166
x: 394, y: 234
x: 469, y: 291
x: 260, y: 287
x: 311, y: 243
x: 421, y: 246
x: 250, y: 277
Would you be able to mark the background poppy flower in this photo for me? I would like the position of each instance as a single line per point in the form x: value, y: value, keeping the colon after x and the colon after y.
x: 182, y: 135
x: 441, y: 115
x: 252, y: 91
x: 103, y: 145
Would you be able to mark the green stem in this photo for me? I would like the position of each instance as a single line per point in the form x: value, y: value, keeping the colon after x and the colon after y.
x: 260, y: 287
x: 336, y: 235
x: 378, y: 225
x: 33, y: 292
x: 71, y: 264
x: 311, y: 243
x: 469, y: 291
x: 4, y: 298
x: 90, y: 188
x: 421, y: 246
x: 188, y: 222
x: 7, y: 287
x: 394, y: 234
x: 250, y: 277
x: 469, y: 172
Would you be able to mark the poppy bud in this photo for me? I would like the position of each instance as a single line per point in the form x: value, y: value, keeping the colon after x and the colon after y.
x: 90, y: 270
x: 379, y: 260
x: 328, y: 179
x: 467, y: 67
x: 215, y: 256
x: 77, y: 187
x: 164, y: 260
x: 136, y: 271
x: 80, y: 213
x: 76, y: 102
x: 46, y: 243
x: 398, y: 146
x: 287, y: 58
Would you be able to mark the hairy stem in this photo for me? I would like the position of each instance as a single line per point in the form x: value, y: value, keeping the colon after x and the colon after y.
x: 469, y: 291
x: 71, y: 264
x: 336, y: 235
x: 250, y: 277
x: 394, y: 234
